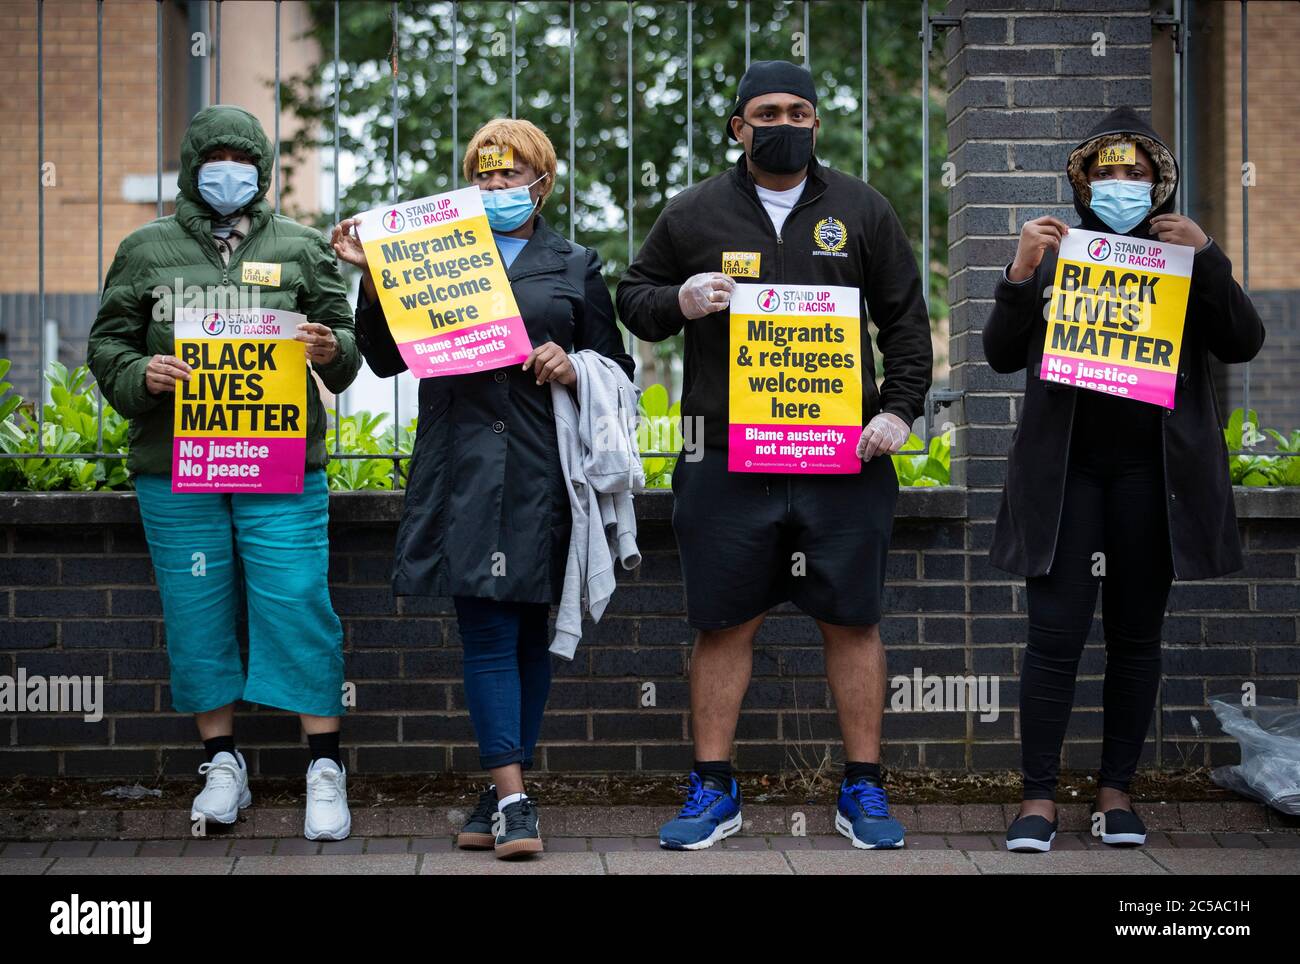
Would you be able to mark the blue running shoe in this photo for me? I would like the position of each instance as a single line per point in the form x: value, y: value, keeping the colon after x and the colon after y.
x: 708, y: 815
x: 863, y: 817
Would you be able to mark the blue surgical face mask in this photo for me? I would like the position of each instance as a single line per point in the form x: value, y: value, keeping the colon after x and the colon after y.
x: 1121, y: 204
x: 508, y: 207
x: 227, y: 185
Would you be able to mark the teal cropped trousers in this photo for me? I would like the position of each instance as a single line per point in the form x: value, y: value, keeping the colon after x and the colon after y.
x: 204, y: 545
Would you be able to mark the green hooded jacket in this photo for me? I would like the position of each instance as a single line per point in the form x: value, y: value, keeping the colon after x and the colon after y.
x: 177, y: 253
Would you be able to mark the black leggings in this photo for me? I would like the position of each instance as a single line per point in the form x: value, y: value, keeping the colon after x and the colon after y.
x: 1113, y: 515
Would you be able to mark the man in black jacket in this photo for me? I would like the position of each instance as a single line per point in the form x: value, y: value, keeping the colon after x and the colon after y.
x: 751, y: 541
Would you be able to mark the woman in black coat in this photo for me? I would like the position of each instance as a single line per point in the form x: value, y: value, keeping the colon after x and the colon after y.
x: 1106, y: 490
x: 486, y: 518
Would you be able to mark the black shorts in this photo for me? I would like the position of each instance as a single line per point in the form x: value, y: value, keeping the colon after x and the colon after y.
x: 739, y: 533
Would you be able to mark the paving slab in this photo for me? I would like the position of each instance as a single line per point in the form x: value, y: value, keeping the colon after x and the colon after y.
x: 1281, y: 841
x: 609, y: 845
x: 352, y: 845
x: 786, y: 842
x: 159, y: 848
x: 1063, y: 841
x: 424, y: 845
x: 143, y: 866
x: 581, y: 855
x: 815, y: 818
x: 251, y: 848
x: 25, y: 850
x: 465, y: 862
x: 1067, y: 862
x: 1229, y: 861
x: 70, y: 848
x: 882, y: 862
x: 24, y: 866
x: 119, y: 848
x: 384, y: 845
x: 925, y: 841
x: 202, y: 847
x: 297, y: 847
x: 740, y: 842
x: 712, y: 861
x: 294, y: 865
x: 566, y: 845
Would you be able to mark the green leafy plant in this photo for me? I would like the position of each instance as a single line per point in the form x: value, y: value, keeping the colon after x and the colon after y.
x: 1257, y: 470
x: 363, y: 433
x: 70, y: 430
x: 659, y: 429
x: 1289, y: 463
x: 933, y: 467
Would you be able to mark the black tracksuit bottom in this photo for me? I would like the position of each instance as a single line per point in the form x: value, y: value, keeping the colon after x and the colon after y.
x: 1114, y: 537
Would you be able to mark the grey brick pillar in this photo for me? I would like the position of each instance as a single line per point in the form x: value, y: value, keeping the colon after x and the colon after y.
x: 1025, y: 83
x: 1026, y: 80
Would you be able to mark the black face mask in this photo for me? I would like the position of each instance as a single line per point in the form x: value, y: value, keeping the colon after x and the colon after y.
x: 781, y: 148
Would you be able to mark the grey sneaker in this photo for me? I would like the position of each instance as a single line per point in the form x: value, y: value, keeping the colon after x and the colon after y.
x: 519, y: 836
x: 477, y: 833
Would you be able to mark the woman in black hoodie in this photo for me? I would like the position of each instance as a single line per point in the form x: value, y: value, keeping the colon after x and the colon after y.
x: 1106, y: 490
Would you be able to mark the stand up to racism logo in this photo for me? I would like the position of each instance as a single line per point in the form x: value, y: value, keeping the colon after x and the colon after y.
x: 443, y: 286
x: 1115, y: 316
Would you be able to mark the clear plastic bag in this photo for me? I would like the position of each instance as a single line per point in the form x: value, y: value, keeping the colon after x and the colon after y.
x: 1269, y: 736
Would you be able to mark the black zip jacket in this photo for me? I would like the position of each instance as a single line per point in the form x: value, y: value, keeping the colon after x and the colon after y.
x: 486, y: 512
x: 1189, y: 441
x: 842, y: 232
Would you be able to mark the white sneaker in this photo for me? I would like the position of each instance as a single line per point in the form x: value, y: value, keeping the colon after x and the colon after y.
x: 225, y: 790
x: 328, y: 817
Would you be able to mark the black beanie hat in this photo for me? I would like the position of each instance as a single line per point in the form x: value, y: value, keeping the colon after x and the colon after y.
x: 769, y: 77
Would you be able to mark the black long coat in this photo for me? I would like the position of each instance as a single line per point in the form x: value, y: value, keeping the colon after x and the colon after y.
x: 1198, y: 492
x: 486, y: 511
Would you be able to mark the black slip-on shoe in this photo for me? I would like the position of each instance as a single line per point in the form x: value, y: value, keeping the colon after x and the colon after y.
x: 1122, y: 828
x: 1031, y: 834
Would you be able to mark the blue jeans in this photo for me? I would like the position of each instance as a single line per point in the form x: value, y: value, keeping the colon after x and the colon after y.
x: 507, y: 676
x: 203, y: 544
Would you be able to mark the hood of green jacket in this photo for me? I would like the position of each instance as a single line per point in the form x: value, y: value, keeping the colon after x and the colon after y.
x: 221, y: 125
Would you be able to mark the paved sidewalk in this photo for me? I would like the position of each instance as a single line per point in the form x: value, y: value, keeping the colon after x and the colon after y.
x: 567, y: 820
x: 971, y: 853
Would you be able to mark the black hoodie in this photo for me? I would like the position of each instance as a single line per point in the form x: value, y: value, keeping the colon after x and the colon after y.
x: 1188, y: 438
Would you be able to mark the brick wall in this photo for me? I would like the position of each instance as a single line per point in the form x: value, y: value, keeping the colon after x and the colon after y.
x: 79, y: 598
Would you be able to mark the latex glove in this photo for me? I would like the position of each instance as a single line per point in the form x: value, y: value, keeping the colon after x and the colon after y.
x: 705, y: 293
x: 884, y: 435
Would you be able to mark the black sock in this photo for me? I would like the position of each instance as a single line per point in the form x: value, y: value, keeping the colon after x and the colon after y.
x: 219, y: 744
x: 324, y: 746
x: 853, y: 772
x: 716, y: 773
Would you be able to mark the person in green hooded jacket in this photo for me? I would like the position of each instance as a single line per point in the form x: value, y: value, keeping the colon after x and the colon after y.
x: 222, y: 245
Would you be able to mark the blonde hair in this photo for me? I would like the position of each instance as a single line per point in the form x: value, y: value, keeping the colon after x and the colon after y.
x: 530, y: 145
